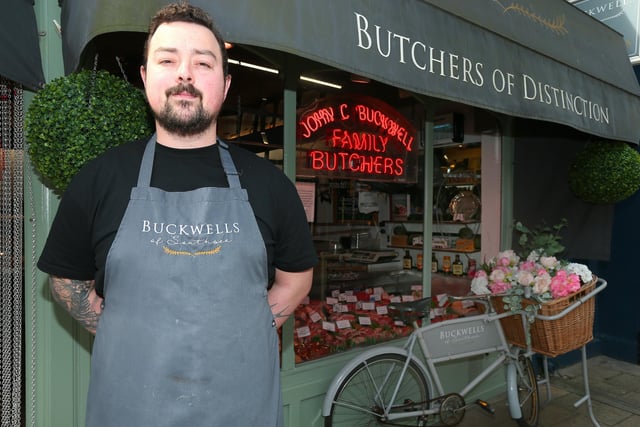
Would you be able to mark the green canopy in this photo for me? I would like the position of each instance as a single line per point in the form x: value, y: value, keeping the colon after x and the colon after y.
x: 538, y: 59
x: 19, y: 45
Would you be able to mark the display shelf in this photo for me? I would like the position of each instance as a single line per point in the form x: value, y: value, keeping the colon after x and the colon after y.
x: 451, y: 222
x: 434, y: 249
x: 435, y: 222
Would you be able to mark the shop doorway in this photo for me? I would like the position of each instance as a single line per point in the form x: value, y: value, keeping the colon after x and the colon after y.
x: 11, y: 253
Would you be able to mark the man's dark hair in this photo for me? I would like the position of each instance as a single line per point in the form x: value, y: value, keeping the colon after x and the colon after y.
x: 184, y: 12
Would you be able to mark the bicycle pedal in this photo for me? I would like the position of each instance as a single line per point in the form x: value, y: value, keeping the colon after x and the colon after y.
x: 485, y: 405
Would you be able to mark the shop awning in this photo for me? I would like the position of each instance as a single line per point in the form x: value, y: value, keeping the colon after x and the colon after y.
x: 535, y: 59
x: 19, y: 45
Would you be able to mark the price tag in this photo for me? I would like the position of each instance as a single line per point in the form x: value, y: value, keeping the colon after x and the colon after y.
x: 343, y: 324
x: 364, y: 320
x: 340, y: 308
x: 378, y: 290
x: 342, y: 297
x: 416, y: 288
x: 352, y: 298
x: 332, y: 300
x: 329, y: 326
x: 368, y: 306
x: 442, y: 299
x: 314, y: 316
x: 303, y: 331
x: 468, y: 303
x: 335, y: 293
x: 382, y: 309
x: 407, y: 298
x: 376, y: 297
x: 399, y: 323
x: 396, y: 299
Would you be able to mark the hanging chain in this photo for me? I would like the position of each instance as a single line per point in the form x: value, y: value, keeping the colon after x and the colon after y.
x: 11, y: 252
x: 33, y: 288
x: 124, y: 75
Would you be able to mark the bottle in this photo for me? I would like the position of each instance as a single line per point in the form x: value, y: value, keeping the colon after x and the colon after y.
x: 457, y: 267
x: 471, y: 270
x: 446, y: 264
x: 434, y: 263
x: 407, y: 261
x: 419, y: 261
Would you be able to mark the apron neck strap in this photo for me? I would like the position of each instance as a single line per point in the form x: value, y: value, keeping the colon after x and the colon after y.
x: 144, y: 177
x: 146, y: 166
x: 233, y: 177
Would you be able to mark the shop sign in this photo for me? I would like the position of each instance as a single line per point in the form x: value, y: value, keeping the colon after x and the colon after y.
x: 356, y: 137
x: 621, y: 15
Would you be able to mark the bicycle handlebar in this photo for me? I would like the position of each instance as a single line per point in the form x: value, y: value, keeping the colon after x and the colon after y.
x: 577, y: 303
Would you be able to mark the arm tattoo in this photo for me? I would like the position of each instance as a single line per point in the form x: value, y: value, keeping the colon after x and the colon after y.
x: 280, y: 313
x: 75, y: 297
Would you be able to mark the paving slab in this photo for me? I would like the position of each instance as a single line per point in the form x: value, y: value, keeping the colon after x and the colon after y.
x: 615, y: 396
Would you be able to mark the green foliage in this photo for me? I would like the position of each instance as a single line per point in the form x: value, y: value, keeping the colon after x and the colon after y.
x: 605, y: 172
x: 77, y: 117
x: 543, y: 239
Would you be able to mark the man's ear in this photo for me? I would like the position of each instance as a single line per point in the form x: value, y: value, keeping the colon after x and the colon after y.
x: 143, y: 74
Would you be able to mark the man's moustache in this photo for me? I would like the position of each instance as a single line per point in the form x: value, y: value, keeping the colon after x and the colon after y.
x: 190, y: 89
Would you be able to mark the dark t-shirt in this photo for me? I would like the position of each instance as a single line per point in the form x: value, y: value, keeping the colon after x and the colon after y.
x: 94, y: 203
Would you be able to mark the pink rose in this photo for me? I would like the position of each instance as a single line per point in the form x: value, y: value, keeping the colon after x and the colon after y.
x: 499, y: 287
x: 563, y: 284
x: 524, y: 277
x: 549, y: 262
x: 527, y: 265
x: 497, y: 275
x: 541, y: 282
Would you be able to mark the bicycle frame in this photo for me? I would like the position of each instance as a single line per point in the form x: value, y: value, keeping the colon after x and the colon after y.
x: 450, y: 340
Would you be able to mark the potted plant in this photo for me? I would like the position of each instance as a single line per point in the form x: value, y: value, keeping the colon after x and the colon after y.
x: 605, y: 172
x: 79, y: 116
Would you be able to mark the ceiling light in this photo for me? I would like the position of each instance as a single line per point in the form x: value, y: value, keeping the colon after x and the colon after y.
x: 356, y: 78
x: 253, y: 66
x: 320, y: 82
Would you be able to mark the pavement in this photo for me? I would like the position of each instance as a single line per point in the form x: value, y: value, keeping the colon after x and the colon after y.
x: 615, y: 396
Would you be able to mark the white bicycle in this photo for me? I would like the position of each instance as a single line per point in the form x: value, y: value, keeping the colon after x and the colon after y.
x: 399, y: 386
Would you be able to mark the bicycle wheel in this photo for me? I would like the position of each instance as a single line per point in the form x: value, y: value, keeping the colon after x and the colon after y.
x: 361, y: 398
x: 528, y: 398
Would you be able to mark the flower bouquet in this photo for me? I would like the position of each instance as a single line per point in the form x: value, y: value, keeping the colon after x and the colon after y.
x: 539, y: 284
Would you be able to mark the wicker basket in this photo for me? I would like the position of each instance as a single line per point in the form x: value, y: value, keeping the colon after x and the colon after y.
x: 554, y: 337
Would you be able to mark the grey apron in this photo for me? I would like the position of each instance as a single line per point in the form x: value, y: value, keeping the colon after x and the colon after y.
x: 187, y: 337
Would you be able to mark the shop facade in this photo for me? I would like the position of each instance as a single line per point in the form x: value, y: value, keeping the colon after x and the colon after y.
x: 418, y: 150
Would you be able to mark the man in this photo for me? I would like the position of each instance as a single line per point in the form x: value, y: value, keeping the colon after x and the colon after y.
x: 182, y: 254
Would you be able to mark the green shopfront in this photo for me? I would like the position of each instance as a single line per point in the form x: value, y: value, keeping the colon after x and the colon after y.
x: 540, y: 61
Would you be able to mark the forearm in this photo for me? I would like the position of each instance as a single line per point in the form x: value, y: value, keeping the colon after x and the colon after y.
x: 288, y: 290
x: 79, y: 298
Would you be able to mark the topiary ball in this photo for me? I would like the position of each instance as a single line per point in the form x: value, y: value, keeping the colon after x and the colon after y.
x: 77, y: 117
x: 605, y: 172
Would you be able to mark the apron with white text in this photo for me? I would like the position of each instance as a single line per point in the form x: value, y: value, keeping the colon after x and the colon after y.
x: 186, y: 337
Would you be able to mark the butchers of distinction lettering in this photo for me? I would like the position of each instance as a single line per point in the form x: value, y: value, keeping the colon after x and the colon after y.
x: 190, y: 239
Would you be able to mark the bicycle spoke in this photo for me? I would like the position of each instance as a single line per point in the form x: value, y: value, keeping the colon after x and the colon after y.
x: 367, y: 391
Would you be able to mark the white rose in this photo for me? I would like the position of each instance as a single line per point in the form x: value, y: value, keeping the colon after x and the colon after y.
x: 480, y: 286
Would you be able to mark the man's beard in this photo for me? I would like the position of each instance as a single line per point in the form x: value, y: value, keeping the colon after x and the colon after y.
x: 181, y: 122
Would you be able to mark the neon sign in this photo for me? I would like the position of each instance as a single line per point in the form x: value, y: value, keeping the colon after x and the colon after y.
x: 356, y: 136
